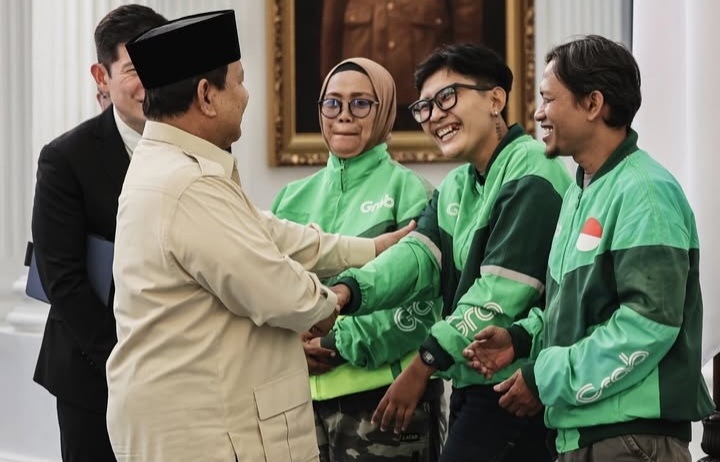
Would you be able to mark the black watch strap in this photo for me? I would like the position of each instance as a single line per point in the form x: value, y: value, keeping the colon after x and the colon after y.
x: 428, y: 358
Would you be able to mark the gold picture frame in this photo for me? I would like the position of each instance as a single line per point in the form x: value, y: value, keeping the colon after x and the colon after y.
x: 290, y: 146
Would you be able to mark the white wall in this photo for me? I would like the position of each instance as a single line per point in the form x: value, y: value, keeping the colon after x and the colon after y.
x: 558, y: 21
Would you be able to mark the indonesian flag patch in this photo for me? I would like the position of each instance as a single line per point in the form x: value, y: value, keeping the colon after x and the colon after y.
x: 590, y: 235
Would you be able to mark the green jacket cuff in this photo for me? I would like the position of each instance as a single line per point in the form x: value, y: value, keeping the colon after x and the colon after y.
x: 528, y: 372
x: 355, y: 295
x: 329, y: 342
x: 521, y: 341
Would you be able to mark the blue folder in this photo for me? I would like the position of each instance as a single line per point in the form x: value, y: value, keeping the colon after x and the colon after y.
x: 99, y: 267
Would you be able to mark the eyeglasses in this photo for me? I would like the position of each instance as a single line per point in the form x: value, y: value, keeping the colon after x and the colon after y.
x: 445, y: 99
x: 358, y: 107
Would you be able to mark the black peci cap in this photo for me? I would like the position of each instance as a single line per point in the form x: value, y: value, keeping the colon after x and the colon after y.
x: 185, y: 47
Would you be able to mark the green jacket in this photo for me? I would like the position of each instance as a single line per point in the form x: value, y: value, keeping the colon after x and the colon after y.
x: 482, y: 244
x: 619, y: 341
x: 364, y: 196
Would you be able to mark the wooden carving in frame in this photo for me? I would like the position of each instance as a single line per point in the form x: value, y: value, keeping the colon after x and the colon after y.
x: 295, y: 79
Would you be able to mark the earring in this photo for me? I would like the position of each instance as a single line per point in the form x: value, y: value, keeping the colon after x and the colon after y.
x: 495, y: 113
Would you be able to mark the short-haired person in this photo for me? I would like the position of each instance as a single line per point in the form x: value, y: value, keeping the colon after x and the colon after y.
x: 616, y: 353
x: 482, y: 244
x: 363, y: 192
x: 79, y: 177
x: 210, y: 292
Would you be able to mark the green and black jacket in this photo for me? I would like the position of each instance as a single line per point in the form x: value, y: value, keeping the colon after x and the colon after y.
x: 617, y: 349
x: 364, y: 196
x: 482, y: 244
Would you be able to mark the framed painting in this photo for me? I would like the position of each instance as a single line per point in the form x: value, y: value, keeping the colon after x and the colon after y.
x: 306, y: 38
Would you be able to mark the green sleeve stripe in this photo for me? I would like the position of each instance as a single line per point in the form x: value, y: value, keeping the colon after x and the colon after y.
x: 435, y: 250
x: 513, y: 276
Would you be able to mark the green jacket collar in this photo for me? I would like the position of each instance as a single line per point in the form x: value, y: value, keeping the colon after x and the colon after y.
x: 627, y: 147
x: 354, y: 170
x: 514, y: 132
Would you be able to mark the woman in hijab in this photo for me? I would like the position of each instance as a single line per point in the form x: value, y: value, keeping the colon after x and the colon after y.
x: 363, y: 192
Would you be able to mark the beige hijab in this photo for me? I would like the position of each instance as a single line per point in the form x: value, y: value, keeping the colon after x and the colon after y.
x: 384, y: 87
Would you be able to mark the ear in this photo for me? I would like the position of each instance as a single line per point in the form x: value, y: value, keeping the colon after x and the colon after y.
x: 205, y: 96
x: 499, y: 100
x: 100, y: 75
x: 594, y: 103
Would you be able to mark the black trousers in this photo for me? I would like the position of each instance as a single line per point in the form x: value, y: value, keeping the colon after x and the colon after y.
x: 481, y: 431
x: 83, y: 434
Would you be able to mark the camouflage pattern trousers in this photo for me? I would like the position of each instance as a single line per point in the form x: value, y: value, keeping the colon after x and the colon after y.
x: 345, y: 434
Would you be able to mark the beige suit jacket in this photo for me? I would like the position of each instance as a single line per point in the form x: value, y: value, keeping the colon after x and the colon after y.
x: 210, y: 295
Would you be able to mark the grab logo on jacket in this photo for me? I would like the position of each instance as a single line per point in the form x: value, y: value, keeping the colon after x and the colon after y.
x: 406, y: 318
x: 370, y: 206
x: 468, y: 322
x: 588, y: 393
x: 590, y: 235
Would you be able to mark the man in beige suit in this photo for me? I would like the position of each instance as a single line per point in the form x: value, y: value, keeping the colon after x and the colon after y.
x: 210, y: 292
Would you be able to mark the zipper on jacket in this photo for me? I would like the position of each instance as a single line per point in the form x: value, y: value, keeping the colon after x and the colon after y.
x: 342, y: 175
x: 342, y: 189
x: 571, y: 231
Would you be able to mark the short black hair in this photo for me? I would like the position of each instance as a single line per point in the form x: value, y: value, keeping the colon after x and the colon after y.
x: 176, y: 98
x: 478, y: 62
x: 595, y: 63
x: 120, y: 26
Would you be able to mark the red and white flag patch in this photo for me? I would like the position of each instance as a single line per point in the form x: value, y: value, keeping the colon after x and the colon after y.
x: 590, y: 235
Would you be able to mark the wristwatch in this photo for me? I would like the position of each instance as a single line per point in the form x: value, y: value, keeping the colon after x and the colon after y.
x: 428, y: 358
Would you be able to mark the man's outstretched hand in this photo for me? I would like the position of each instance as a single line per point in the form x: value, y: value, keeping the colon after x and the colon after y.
x: 343, y: 294
x: 323, y: 327
x: 491, y: 351
x: 318, y: 358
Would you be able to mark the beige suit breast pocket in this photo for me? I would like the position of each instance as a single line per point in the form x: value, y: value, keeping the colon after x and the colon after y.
x: 286, y: 420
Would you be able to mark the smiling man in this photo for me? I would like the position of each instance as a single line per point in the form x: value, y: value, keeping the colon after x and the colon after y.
x: 482, y: 244
x: 211, y: 293
x: 79, y: 178
x: 616, y: 355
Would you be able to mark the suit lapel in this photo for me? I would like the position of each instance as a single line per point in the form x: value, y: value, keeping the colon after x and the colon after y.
x: 110, y: 148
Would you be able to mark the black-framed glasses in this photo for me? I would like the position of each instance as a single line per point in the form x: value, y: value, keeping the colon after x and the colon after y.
x: 358, y: 107
x: 445, y: 99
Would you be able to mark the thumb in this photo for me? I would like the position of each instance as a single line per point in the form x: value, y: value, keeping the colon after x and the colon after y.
x: 486, y: 333
x: 504, y: 386
x: 405, y: 230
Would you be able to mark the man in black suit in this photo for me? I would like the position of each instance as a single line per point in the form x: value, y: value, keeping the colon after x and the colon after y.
x: 79, y: 178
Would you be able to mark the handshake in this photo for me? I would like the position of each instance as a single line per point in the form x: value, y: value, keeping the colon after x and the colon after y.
x: 322, y: 328
x: 320, y: 359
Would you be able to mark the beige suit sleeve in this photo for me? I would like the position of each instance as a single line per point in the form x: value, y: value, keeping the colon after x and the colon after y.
x: 322, y: 253
x: 218, y: 238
